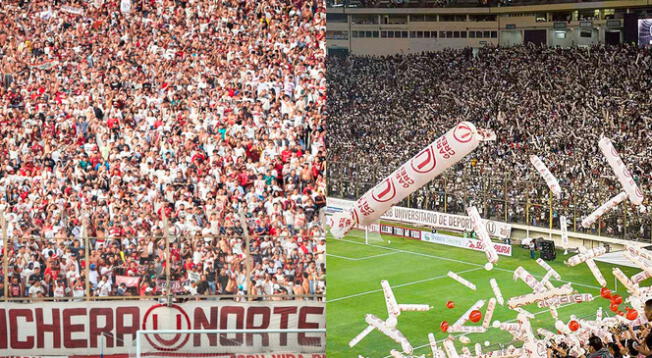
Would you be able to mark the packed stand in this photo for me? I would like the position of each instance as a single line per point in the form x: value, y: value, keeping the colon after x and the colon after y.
x: 631, y: 339
x: 555, y: 103
x: 122, y: 119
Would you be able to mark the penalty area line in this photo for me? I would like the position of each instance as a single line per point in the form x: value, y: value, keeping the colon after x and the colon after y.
x: 361, y: 258
x: 399, y: 285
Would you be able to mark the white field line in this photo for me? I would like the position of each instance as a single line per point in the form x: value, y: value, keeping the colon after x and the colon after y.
x: 361, y: 258
x: 399, y: 285
x: 511, y: 320
x: 458, y: 261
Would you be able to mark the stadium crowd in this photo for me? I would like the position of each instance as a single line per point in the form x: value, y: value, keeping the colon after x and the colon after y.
x: 122, y: 119
x: 633, y: 339
x: 552, y: 102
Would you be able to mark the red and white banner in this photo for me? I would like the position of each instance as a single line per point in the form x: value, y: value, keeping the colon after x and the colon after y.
x: 130, y: 281
x: 428, y: 218
x: 45, y: 64
x: 72, y: 10
x: 88, y: 328
x: 463, y: 242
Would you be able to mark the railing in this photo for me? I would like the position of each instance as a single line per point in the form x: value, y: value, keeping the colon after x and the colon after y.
x: 498, y: 198
x: 74, y: 269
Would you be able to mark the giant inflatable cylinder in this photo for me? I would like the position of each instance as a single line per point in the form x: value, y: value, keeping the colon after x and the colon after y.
x: 426, y: 165
x: 550, y: 179
x: 622, y: 173
x: 603, y: 209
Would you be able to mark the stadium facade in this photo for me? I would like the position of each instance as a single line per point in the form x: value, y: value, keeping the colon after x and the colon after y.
x: 393, y: 30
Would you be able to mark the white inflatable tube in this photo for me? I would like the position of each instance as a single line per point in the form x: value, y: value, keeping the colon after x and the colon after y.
x: 644, y: 254
x: 548, y: 268
x: 620, y: 170
x: 449, y: 348
x: 563, y: 226
x: 426, y: 165
x: 541, y: 286
x: 466, y: 329
x: 506, y: 326
x: 413, y: 307
x: 478, y: 349
x: 390, y: 301
x: 530, y: 343
x: 497, y: 293
x: 550, y: 179
x: 549, y: 285
x: 360, y: 336
x: 636, y: 260
x: 390, y: 332
x: 525, y: 276
x: 631, y: 287
x: 436, y: 352
x: 483, y: 235
x: 527, y: 314
x: 596, y: 272
x: 465, y: 317
x: 503, y: 353
x: 603, y: 209
x: 562, y: 327
x: 566, y: 299
x: 640, y: 277
x: 582, y: 257
x: 546, y: 333
x: 461, y: 280
x: 491, y: 306
x: 527, y: 299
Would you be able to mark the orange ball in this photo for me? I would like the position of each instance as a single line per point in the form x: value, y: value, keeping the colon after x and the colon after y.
x: 573, y: 325
x: 605, y: 293
x: 475, y: 316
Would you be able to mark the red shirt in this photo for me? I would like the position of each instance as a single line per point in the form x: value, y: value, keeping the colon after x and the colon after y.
x: 112, y: 122
x: 285, y: 155
x: 243, y: 179
x: 53, y: 273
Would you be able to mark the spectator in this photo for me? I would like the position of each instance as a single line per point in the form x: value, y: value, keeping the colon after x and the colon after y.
x: 597, y: 348
x: 176, y: 124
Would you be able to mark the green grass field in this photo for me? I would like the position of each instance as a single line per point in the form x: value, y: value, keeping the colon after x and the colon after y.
x: 417, y: 273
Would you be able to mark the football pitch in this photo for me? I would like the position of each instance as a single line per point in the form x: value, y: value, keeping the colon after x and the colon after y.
x: 417, y: 272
